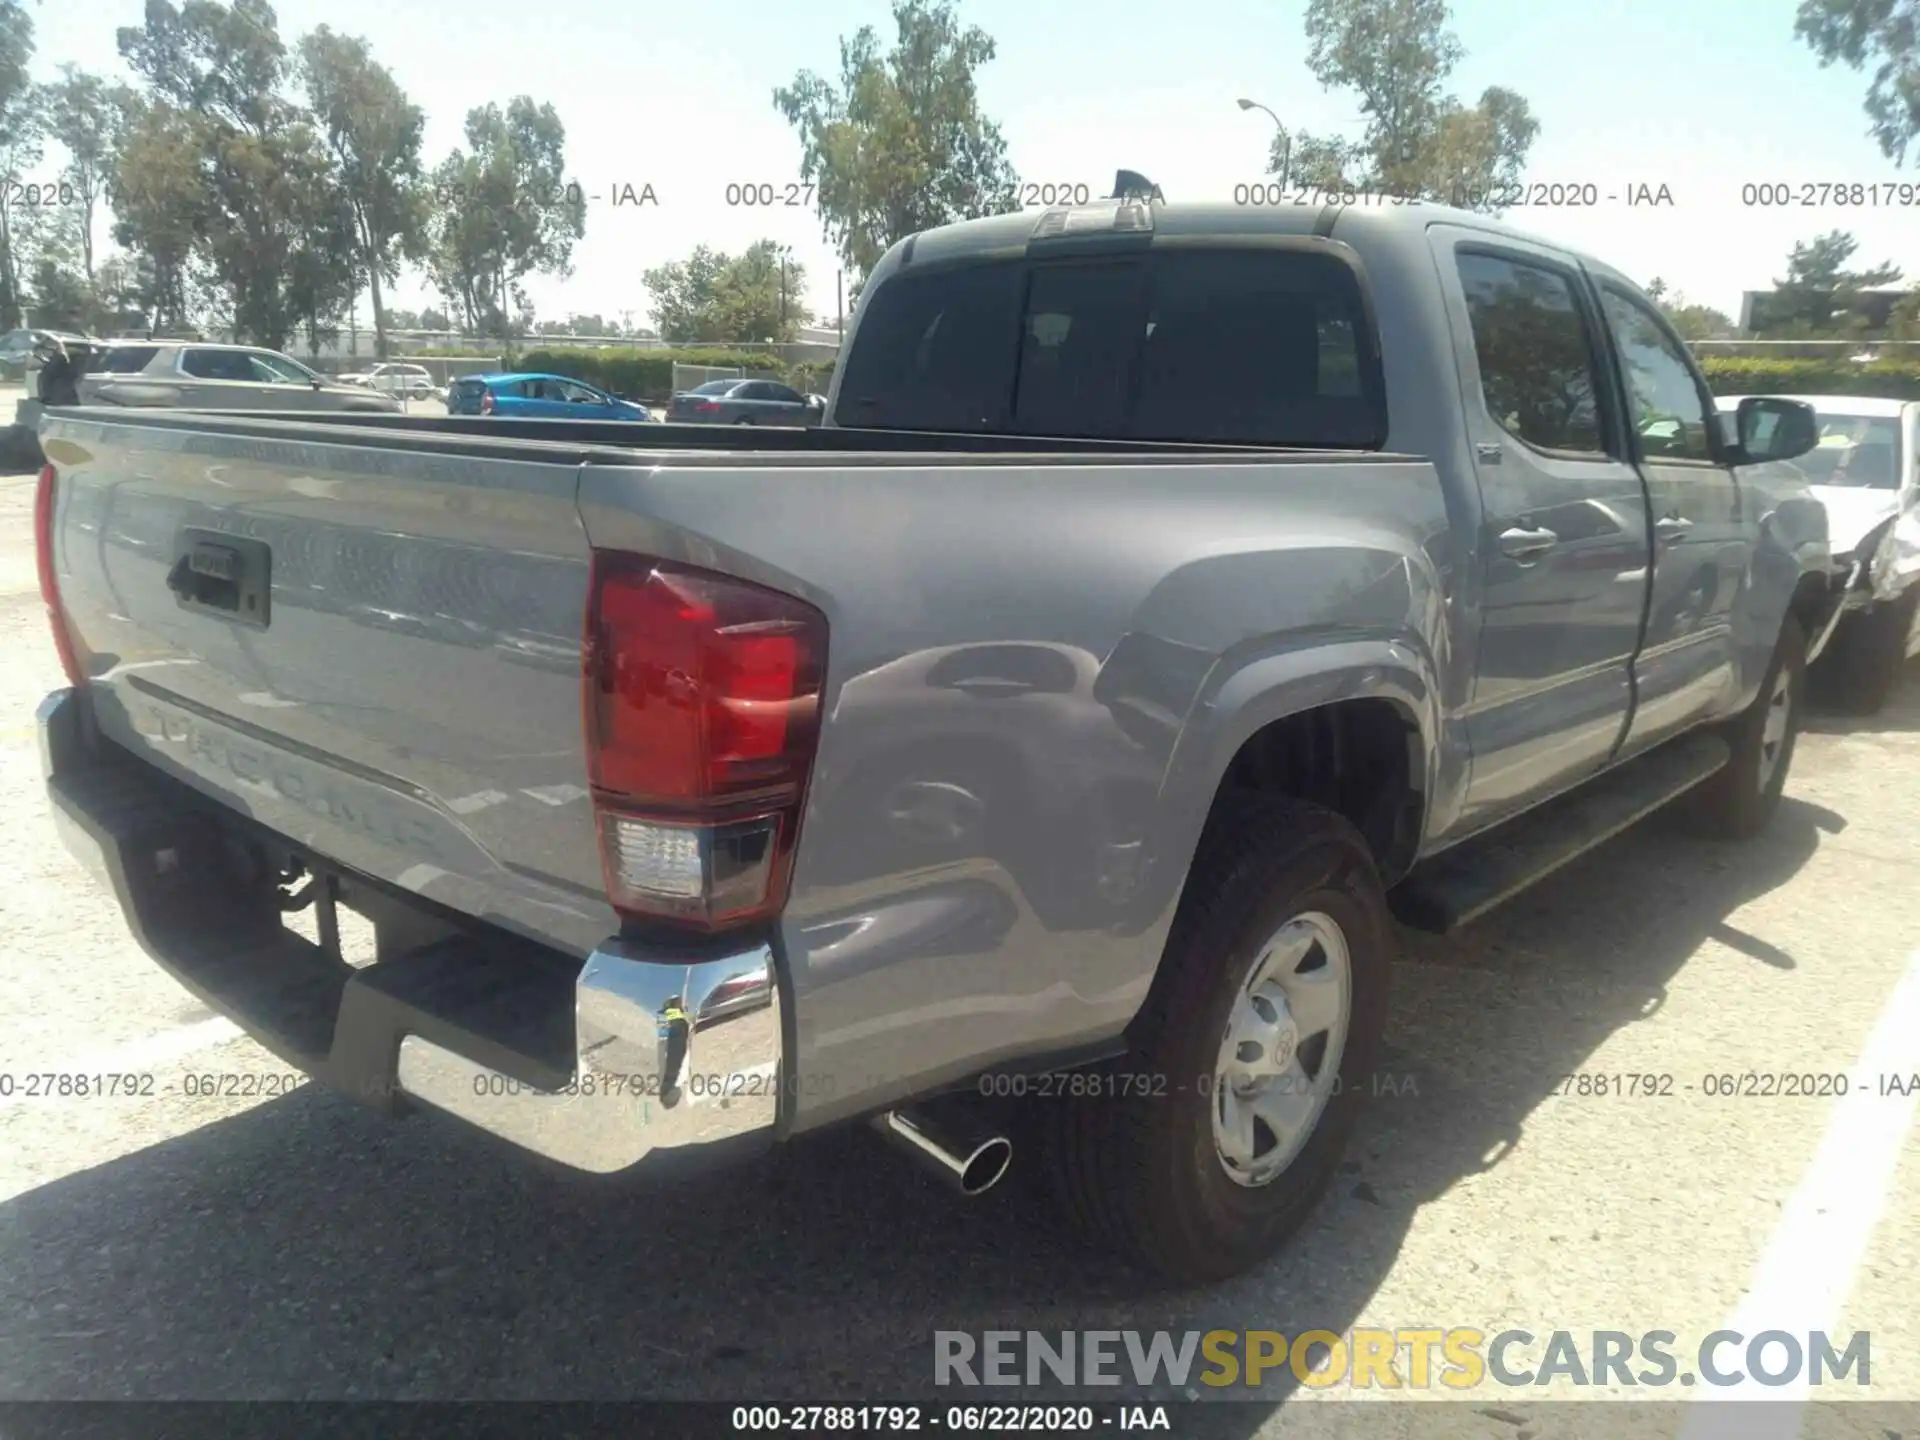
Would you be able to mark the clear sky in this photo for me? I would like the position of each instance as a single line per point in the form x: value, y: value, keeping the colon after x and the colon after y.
x: 1702, y: 96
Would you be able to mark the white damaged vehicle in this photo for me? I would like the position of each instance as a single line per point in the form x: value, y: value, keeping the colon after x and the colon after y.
x: 1866, y: 471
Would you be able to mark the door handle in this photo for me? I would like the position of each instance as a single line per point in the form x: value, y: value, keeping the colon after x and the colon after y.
x: 1523, y: 544
x: 1672, y: 527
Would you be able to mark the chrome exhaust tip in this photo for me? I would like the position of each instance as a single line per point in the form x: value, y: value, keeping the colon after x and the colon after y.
x: 953, y: 1142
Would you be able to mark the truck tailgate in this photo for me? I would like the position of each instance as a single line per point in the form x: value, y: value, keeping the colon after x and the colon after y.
x: 372, y: 650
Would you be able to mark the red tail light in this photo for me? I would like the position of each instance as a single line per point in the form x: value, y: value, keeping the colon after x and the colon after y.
x: 701, y: 702
x: 486, y: 402
x: 706, y: 407
x: 43, y: 518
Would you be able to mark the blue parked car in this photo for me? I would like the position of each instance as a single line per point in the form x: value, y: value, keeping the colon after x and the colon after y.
x: 538, y: 397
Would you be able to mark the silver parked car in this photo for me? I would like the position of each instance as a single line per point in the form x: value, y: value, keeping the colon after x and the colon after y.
x: 415, y: 382
x: 744, y: 402
x: 195, y: 376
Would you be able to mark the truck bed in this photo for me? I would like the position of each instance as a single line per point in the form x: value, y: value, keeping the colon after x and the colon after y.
x: 1024, y: 638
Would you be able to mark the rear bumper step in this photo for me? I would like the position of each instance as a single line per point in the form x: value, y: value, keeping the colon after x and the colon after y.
x: 1465, y: 881
x: 638, y: 1056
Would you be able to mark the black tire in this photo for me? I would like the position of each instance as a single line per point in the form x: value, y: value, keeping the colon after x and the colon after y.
x: 1863, y: 665
x: 1737, y: 801
x: 1138, y: 1168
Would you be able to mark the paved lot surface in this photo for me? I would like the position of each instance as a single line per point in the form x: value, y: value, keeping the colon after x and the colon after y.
x: 179, y: 1246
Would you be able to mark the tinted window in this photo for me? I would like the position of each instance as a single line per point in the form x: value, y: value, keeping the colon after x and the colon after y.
x: 217, y: 364
x: 1536, y: 357
x: 1248, y: 346
x: 1668, y: 409
x: 782, y: 393
x: 125, y: 359
x: 936, y: 351
x: 714, y: 387
x: 1079, y: 347
x: 1258, y: 347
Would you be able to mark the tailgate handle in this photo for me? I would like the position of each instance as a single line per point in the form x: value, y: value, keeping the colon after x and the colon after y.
x: 228, y: 575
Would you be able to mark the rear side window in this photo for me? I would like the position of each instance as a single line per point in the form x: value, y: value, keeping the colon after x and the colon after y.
x: 936, y: 351
x: 125, y: 359
x: 218, y: 365
x: 1536, y: 355
x: 1259, y: 347
x: 1243, y: 346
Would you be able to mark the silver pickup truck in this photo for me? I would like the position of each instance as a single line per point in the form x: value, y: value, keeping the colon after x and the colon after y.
x: 1176, y: 596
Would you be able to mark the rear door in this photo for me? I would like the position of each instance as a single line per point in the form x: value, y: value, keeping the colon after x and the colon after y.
x: 219, y: 379
x: 515, y: 398
x: 1563, y: 542
x: 1702, y: 535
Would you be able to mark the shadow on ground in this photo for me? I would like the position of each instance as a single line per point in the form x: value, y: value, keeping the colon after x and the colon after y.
x: 308, y: 1249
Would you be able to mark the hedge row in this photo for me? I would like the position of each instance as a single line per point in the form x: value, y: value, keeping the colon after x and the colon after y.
x: 1750, y: 375
x: 640, y: 374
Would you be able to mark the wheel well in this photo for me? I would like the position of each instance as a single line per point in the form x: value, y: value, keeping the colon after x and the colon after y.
x: 1358, y: 758
x: 1810, y: 601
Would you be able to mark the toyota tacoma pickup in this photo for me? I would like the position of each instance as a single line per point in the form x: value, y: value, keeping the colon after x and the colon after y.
x: 1178, y: 598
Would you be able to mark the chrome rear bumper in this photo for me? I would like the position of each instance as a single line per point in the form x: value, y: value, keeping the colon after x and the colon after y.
x: 670, y: 1057
x: 648, y: 1054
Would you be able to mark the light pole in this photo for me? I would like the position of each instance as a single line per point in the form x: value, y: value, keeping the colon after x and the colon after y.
x: 1286, y: 140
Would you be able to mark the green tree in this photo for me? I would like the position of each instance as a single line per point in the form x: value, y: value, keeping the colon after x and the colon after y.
x: 81, y: 115
x: 729, y: 299
x: 162, y: 205
x: 1881, y: 33
x: 1418, y: 141
x: 1816, y: 297
x: 759, y: 295
x: 504, y: 210
x: 901, y: 144
x: 373, y: 133
x: 684, y: 294
x: 22, y: 121
x: 274, y: 242
x: 1691, y: 321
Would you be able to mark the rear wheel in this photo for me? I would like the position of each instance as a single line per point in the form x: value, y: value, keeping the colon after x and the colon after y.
x: 1738, y: 800
x: 1248, y: 1063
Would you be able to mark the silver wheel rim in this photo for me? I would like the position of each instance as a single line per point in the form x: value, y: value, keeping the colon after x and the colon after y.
x: 1279, y: 1059
x: 1773, y: 728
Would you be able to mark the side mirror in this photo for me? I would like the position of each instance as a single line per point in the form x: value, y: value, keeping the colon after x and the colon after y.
x: 1769, y: 428
x: 318, y: 382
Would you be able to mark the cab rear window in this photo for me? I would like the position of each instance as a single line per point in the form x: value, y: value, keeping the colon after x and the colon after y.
x: 1205, y: 345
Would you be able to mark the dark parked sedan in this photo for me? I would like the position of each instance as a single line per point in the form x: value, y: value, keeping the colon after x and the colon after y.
x: 744, y: 402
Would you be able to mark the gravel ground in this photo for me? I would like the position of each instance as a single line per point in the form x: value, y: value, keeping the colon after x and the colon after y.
x: 180, y: 1246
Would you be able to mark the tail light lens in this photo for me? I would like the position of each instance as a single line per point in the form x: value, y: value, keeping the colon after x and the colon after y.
x: 486, y: 402
x: 706, y: 407
x: 701, y: 701
x: 43, y: 517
